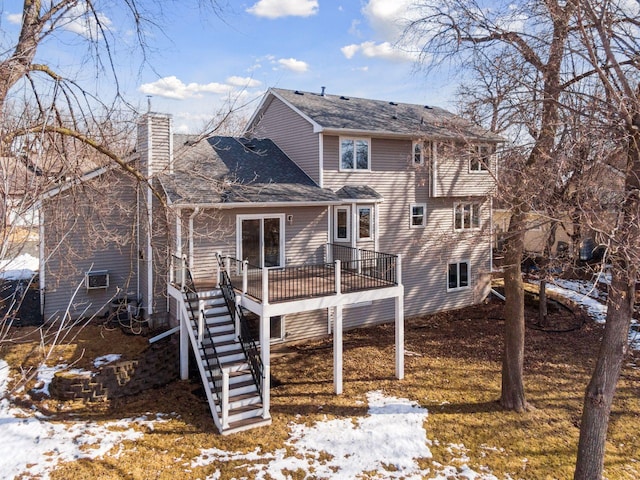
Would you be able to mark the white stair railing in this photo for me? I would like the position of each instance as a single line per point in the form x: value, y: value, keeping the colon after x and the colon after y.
x: 224, y: 401
x: 200, y: 321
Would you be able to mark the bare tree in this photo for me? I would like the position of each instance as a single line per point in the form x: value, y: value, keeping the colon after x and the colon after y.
x: 535, y: 37
x: 609, y: 41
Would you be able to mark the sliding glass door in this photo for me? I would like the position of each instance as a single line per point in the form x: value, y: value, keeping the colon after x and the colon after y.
x: 261, y: 240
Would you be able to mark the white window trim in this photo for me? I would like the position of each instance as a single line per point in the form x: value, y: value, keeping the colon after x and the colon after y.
x: 471, y: 228
x: 425, y: 146
x: 371, y: 223
x: 355, y: 162
x: 424, y: 215
x: 336, y: 209
x: 280, y: 216
x: 414, y: 144
x: 457, y: 263
x: 280, y: 337
x: 482, y: 168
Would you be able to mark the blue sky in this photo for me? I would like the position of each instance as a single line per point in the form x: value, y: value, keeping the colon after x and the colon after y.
x: 198, y: 61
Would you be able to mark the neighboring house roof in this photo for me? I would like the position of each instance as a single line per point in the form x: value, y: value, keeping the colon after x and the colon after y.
x: 228, y: 170
x: 351, y: 114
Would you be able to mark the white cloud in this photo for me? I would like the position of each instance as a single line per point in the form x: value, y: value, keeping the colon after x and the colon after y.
x: 384, y: 50
x: 243, y: 82
x: 173, y: 87
x: 294, y: 65
x: 83, y: 22
x: 284, y: 8
x: 350, y: 50
x: 387, y: 18
x: 15, y: 18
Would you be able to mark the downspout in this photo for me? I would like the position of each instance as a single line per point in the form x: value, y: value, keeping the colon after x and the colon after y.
x: 491, y: 239
x: 138, y: 249
x: 150, y: 279
x: 434, y: 169
x: 195, y: 212
x: 41, y: 260
x: 321, y: 160
x: 178, y: 249
x: 354, y: 224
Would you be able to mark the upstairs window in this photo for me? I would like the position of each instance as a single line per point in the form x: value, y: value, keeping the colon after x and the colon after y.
x: 354, y: 154
x: 479, y: 160
x: 418, y: 215
x: 466, y: 216
x: 421, y: 152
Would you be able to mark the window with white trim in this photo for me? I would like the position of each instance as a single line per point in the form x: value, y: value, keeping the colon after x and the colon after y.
x: 354, y: 154
x: 479, y: 160
x: 418, y: 215
x: 365, y: 223
x: 458, y: 276
x: 276, y: 328
x: 466, y: 216
x: 342, y: 224
x: 422, y: 152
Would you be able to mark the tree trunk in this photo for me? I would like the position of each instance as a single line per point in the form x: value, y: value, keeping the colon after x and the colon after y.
x: 602, y: 387
x: 512, y: 396
x: 542, y: 304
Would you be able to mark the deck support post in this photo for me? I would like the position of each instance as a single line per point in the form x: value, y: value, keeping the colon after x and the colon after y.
x: 265, y: 345
x: 245, y: 279
x: 184, y: 348
x: 218, y: 272
x: 337, y: 349
x: 399, y: 314
x: 265, y: 353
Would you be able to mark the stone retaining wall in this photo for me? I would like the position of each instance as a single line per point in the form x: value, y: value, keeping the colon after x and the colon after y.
x: 157, y: 366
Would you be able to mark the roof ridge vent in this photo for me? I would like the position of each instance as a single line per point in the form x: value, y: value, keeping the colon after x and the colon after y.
x: 298, y: 92
x: 428, y: 107
x: 393, y: 103
x: 342, y: 97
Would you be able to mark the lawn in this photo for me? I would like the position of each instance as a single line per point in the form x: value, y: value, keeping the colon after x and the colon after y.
x: 452, y: 371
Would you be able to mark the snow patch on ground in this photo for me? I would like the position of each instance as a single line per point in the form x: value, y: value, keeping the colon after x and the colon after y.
x: 105, y: 359
x: 23, y: 267
x: 588, y: 296
x: 388, y: 441
x: 32, y: 446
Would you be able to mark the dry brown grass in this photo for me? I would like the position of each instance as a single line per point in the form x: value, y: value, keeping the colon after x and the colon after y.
x: 452, y: 368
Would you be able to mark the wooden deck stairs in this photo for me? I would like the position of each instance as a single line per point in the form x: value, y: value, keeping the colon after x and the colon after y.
x: 232, y: 388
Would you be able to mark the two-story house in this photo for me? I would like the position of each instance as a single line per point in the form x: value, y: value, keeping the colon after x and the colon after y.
x: 330, y: 213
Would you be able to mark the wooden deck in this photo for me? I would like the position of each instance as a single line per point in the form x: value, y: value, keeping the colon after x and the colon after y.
x: 295, y: 283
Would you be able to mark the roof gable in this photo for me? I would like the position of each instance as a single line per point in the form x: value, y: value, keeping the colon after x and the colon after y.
x: 376, y: 117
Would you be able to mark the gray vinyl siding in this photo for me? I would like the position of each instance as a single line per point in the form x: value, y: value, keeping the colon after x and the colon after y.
x: 426, y: 251
x: 306, y: 325
x: 89, y: 227
x: 293, y: 134
x: 453, y: 177
x: 215, y: 230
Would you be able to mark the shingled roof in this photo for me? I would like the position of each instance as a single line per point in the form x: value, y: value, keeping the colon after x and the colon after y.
x: 223, y: 170
x: 341, y: 113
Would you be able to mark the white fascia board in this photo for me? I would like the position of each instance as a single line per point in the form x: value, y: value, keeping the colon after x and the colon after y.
x: 84, y: 178
x: 257, y: 205
x: 366, y: 201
